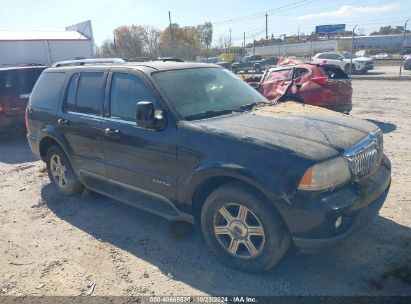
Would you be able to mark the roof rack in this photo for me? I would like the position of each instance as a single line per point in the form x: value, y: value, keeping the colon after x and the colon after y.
x: 137, y: 59
x: 88, y: 61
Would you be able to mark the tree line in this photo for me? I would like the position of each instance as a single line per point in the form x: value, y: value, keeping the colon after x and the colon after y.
x: 131, y: 41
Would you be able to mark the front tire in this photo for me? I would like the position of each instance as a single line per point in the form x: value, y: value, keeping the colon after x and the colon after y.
x: 242, y: 229
x: 347, y: 69
x: 61, y: 173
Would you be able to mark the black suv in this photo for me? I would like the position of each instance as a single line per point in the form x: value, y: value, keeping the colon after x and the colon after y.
x: 193, y: 142
x: 16, y: 83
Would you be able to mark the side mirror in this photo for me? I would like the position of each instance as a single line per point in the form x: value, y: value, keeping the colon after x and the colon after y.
x: 147, y: 117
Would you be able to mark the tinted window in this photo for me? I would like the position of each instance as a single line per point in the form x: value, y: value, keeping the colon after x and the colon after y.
x: 47, y: 90
x: 72, y: 93
x: 126, y: 91
x: 19, y: 81
x: 90, y: 93
x: 334, y: 72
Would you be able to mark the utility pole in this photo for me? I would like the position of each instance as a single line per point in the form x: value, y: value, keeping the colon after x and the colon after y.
x: 298, y: 34
x: 311, y: 47
x: 171, y: 30
x: 352, y: 48
x: 244, y: 43
x: 284, y: 45
x: 230, y: 40
x: 266, y: 27
x: 403, y: 44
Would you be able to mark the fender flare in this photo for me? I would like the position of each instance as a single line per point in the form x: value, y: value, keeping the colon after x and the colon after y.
x: 215, y: 170
x: 53, y: 133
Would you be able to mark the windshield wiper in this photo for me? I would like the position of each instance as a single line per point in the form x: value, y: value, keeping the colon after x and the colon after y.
x: 250, y: 106
x: 210, y: 113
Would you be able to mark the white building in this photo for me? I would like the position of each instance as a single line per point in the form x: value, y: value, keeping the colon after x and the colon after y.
x: 46, y: 47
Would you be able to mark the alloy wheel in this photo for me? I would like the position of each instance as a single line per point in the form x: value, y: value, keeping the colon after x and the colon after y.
x: 58, y: 171
x: 239, y: 231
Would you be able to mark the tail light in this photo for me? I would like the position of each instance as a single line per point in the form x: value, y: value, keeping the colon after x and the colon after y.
x: 320, y: 80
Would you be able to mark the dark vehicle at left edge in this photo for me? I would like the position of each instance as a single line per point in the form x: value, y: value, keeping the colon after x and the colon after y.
x: 16, y: 84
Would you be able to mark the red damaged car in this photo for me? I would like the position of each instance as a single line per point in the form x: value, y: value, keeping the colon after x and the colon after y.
x: 315, y: 84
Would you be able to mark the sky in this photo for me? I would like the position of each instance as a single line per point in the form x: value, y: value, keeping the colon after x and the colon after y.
x: 284, y: 17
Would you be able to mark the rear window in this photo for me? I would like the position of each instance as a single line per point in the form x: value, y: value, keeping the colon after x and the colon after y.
x: 334, y: 72
x: 47, y: 90
x: 18, y: 81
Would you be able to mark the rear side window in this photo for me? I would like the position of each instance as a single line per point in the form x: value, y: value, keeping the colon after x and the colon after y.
x: 299, y: 72
x: 86, y: 93
x: 47, y: 90
x: 334, y: 72
x: 126, y: 91
x: 280, y: 75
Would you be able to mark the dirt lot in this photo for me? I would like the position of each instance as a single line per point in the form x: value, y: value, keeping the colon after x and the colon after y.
x: 55, y: 245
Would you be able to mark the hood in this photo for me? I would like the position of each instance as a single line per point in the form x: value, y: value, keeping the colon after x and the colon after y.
x: 308, y: 131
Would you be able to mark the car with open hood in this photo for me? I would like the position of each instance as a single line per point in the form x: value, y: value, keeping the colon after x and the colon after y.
x: 190, y: 141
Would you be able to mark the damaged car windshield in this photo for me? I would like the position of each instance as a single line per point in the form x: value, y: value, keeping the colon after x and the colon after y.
x: 206, y: 92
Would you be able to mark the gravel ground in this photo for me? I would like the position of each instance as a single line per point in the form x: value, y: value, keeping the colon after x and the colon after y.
x: 88, y: 244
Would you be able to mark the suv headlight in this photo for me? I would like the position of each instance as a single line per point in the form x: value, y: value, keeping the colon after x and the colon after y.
x: 325, y: 175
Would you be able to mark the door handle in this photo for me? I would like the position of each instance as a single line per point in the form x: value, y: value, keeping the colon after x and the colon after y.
x: 63, y: 122
x: 112, y: 133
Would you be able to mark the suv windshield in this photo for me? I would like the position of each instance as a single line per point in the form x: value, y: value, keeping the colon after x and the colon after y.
x: 204, y: 92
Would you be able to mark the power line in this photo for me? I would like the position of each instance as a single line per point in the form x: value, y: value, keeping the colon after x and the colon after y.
x: 269, y: 12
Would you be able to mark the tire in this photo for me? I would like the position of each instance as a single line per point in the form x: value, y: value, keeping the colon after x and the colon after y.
x: 347, y: 69
x: 234, y: 70
x: 61, y: 173
x: 270, y: 239
x: 258, y: 69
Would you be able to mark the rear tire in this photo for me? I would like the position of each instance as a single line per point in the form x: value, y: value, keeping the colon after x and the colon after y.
x: 242, y: 229
x: 61, y: 173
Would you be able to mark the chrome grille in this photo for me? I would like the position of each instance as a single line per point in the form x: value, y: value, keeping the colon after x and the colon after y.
x: 365, y: 156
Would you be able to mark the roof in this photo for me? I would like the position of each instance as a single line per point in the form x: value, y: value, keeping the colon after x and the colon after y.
x: 172, y: 65
x: 40, y: 35
x: 155, y: 65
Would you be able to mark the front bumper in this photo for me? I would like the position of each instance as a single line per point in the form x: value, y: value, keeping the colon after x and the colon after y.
x: 315, y: 214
